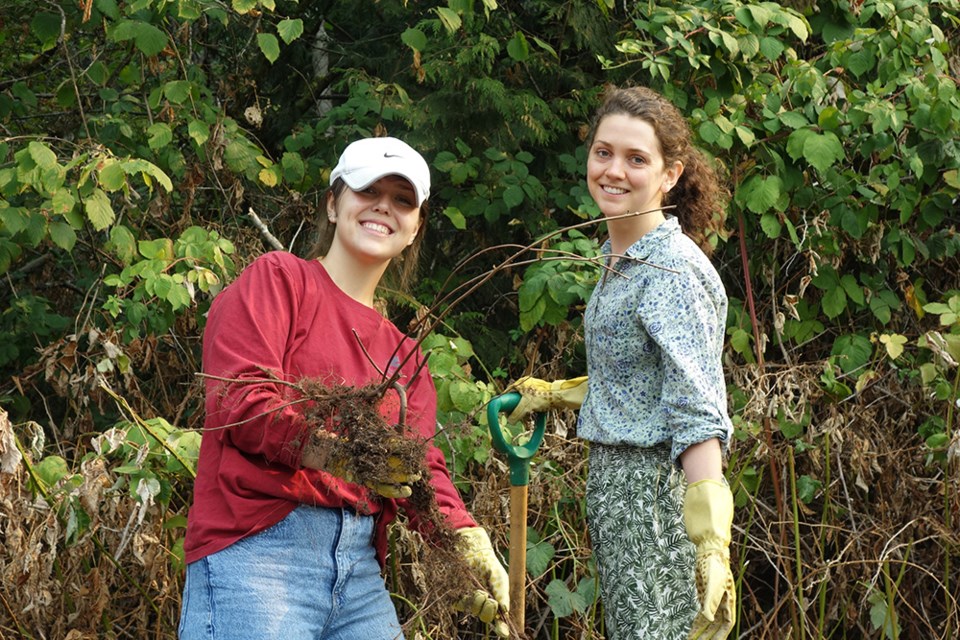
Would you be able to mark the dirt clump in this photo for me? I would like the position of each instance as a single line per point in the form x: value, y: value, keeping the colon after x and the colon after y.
x: 355, y: 432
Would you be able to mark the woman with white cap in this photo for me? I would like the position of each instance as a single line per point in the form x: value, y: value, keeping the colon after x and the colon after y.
x: 277, y: 544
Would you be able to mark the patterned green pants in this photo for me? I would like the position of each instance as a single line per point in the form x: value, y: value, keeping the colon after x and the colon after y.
x: 645, y: 560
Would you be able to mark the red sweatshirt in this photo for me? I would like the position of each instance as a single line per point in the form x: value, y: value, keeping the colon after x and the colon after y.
x: 286, y: 316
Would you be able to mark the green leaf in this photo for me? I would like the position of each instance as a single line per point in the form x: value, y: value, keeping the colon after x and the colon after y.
x: 770, y: 224
x: 290, y: 29
x: 860, y: 61
x: 293, y: 167
x: 51, y: 470
x: 539, y: 554
x: 749, y: 45
x: 42, y: 155
x: 46, y: 27
x: 199, y: 131
x: 799, y: 27
x: 450, y: 19
x: 13, y: 220
x: 456, y: 217
x: 546, y: 47
x: 123, y: 244
x: 63, y: 202
x: 882, y: 616
x: 148, y: 170
x: 160, y: 249
x: 464, y: 395
x: 746, y: 136
x: 771, y: 48
x: 797, y: 140
x: 188, y: 9
x: 741, y: 341
x: 240, y: 155
x: 883, y: 303
x: 518, y: 48
x: 63, y: 235
x: 822, y: 151
x: 269, y: 46
x: 111, y: 176
x: 414, y: 38
x: 512, y: 196
x: 852, y: 352
x: 160, y: 135
x: 177, y: 91
x: 9, y: 251
x: 36, y: 229
x: 562, y: 601
x: 808, y: 488
x: 852, y: 288
x: 108, y: 8
x: 99, y: 210
x: 759, y: 13
x: 834, y: 302
x: 760, y: 193
x: 710, y: 132
x: 829, y: 118
x: 244, y: 6
x: 148, y: 39
x: 178, y: 297
x: 532, y: 315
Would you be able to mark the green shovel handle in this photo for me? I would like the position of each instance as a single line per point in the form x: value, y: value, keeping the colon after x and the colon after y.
x: 518, y: 455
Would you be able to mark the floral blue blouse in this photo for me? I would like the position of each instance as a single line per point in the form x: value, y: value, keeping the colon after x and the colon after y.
x: 654, y: 338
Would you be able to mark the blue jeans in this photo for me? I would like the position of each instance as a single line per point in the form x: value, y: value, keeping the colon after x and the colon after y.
x: 313, y: 575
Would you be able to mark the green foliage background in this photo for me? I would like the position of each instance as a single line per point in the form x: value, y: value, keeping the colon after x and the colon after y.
x: 145, y: 144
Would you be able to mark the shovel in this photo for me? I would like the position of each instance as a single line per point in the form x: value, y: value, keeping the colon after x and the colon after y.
x: 518, y: 458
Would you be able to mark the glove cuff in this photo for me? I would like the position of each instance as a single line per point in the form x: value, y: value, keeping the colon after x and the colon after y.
x: 569, y: 394
x: 708, y: 514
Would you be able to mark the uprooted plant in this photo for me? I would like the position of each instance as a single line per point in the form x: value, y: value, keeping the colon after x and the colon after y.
x: 349, y: 432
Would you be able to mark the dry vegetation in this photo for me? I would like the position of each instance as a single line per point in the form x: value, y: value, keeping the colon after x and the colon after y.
x: 875, y: 528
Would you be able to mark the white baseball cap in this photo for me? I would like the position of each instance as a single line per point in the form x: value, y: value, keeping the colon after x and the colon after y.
x: 365, y: 161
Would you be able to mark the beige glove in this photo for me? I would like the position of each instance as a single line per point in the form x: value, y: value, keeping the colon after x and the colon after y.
x: 708, y: 516
x: 538, y: 395
x: 479, y: 555
x: 317, y: 455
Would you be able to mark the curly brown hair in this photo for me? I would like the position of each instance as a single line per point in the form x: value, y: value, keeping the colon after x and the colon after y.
x: 700, y: 198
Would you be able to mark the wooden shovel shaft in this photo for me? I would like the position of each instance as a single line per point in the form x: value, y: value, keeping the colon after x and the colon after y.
x: 518, y: 554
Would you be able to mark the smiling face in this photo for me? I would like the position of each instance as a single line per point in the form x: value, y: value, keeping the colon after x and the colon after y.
x: 377, y: 223
x: 626, y: 170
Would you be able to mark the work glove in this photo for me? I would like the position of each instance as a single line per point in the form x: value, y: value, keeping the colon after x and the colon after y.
x: 397, y: 482
x: 485, y: 604
x: 538, y: 395
x: 708, y: 517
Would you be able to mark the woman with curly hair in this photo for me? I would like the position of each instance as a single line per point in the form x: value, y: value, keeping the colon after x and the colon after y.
x: 654, y: 406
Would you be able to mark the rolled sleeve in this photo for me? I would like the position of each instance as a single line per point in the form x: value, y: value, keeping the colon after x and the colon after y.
x: 680, y: 316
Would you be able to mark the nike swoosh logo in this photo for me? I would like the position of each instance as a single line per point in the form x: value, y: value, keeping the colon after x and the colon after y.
x: 391, y: 155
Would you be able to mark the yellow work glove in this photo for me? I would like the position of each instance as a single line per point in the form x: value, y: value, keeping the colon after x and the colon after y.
x: 397, y: 484
x: 317, y: 455
x: 538, y: 395
x: 708, y: 517
x: 485, y: 604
